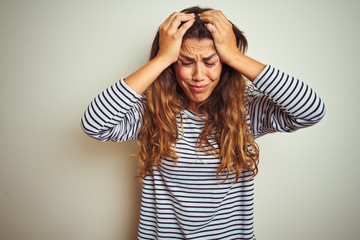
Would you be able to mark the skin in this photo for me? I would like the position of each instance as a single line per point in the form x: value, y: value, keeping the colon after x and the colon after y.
x: 172, y: 44
x: 198, y: 70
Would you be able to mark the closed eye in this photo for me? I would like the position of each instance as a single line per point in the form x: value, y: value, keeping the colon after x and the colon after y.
x: 185, y: 63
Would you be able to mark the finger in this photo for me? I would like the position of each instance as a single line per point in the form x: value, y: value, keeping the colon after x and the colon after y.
x: 213, y: 13
x: 214, y: 31
x: 170, y: 20
x: 221, y: 15
x: 182, y: 30
x: 176, y: 22
x: 215, y: 17
x: 214, y: 22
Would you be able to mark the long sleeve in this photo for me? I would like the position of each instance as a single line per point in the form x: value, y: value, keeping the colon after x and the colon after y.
x: 114, y: 115
x: 278, y: 102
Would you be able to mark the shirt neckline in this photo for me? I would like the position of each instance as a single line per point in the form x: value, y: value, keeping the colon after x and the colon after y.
x: 193, y: 115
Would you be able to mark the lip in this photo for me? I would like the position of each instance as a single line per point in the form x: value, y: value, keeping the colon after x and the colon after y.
x: 198, y: 88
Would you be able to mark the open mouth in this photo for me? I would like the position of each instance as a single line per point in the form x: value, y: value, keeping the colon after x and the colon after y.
x: 198, y: 88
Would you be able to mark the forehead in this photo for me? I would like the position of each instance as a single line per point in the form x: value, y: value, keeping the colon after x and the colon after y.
x: 194, y: 47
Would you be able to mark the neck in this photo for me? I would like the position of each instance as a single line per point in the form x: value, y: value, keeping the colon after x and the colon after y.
x: 193, y: 107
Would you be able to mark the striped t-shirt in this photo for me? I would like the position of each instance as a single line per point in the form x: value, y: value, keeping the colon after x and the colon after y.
x: 185, y: 200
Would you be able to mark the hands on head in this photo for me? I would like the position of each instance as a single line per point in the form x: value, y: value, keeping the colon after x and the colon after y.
x: 172, y: 31
x: 170, y: 35
x: 223, y: 34
x: 228, y: 41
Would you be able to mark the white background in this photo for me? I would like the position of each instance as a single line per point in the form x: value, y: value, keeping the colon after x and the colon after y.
x: 56, y: 56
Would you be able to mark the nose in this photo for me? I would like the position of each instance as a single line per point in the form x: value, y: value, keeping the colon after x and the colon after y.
x: 198, y: 74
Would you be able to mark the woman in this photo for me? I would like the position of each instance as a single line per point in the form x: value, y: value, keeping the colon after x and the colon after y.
x: 196, y: 120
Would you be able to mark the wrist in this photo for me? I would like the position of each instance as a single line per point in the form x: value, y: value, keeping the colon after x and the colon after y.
x: 247, y: 66
x: 163, y: 61
x: 233, y: 59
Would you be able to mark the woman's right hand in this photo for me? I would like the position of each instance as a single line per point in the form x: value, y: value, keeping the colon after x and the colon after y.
x: 171, y: 36
x: 170, y: 40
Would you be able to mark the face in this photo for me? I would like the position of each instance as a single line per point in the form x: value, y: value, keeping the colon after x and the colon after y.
x: 197, y: 70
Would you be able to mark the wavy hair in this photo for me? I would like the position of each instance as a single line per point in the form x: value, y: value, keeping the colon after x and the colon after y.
x: 224, y: 115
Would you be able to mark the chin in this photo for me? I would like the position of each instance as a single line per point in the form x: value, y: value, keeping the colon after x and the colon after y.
x: 199, y: 99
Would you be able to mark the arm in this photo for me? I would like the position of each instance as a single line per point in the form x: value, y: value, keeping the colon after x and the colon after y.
x: 281, y: 103
x: 225, y: 43
x: 284, y: 103
x: 170, y: 39
x: 116, y: 113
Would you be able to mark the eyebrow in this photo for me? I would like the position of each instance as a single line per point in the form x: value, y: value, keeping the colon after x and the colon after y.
x: 192, y: 59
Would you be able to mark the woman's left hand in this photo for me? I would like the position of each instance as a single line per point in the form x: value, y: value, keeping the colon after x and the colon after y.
x: 223, y: 34
x: 225, y: 44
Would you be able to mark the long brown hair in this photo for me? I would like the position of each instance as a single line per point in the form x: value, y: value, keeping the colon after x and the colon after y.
x: 224, y: 115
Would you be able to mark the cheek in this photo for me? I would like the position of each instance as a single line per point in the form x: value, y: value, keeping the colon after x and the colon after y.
x: 215, y: 72
x: 183, y: 73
